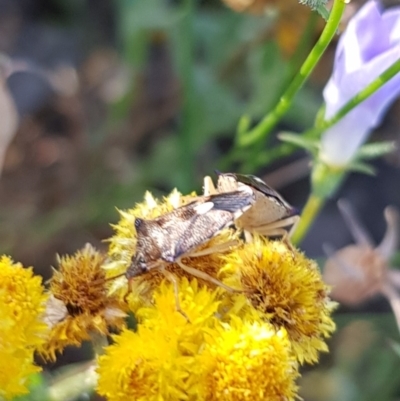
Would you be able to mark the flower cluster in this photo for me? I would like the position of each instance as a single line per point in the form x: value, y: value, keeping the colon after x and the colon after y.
x: 202, y: 358
x: 238, y: 331
x: 242, y: 344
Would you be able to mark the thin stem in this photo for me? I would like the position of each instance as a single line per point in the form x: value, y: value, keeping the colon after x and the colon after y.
x: 394, y: 299
x: 259, y: 132
x: 310, y: 212
x: 77, y: 381
x: 99, y: 342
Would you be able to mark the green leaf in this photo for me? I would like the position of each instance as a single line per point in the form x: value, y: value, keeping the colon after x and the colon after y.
x: 319, y: 6
x: 243, y: 125
x: 395, y: 346
x: 361, y: 167
x: 323, y: 11
x: 320, y: 117
x: 37, y: 389
x: 395, y: 260
x: 376, y: 149
x: 298, y: 140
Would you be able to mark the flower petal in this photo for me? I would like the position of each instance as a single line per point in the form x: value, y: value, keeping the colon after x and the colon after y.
x: 370, y: 45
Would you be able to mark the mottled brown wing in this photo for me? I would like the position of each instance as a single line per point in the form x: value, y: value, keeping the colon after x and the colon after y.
x: 204, y: 223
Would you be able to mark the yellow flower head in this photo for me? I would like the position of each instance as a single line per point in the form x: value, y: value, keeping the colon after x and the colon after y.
x: 288, y: 290
x: 22, y: 305
x: 172, y: 358
x: 247, y: 361
x: 123, y: 245
x: 79, y: 304
x: 199, y: 303
x: 158, y: 361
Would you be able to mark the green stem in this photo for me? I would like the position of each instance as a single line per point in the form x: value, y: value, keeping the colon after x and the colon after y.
x: 99, y: 343
x: 259, y: 132
x: 310, y: 212
x: 74, y: 383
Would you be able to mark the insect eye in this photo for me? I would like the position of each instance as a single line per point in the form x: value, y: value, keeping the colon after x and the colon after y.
x: 138, y: 222
x: 142, y: 264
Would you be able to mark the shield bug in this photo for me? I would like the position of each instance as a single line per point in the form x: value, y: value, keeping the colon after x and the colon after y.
x: 177, y: 234
x: 270, y: 214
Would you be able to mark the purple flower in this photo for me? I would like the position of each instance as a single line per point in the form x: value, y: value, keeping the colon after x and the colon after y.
x: 370, y: 44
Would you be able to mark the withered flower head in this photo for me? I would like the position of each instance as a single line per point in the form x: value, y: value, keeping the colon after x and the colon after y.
x: 287, y: 289
x: 357, y: 272
x: 79, y: 304
x: 360, y: 271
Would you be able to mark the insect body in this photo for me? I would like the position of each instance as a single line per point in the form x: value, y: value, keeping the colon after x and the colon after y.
x: 176, y: 234
x: 269, y: 215
x: 172, y: 236
x: 242, y: 200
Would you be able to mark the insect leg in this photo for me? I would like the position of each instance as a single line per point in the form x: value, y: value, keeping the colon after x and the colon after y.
x: 172, y: 278
x: 215, y: 249
x: 248, y: 236
x: 295, y: 220
x: 277, y: 227
x: 204, y: 276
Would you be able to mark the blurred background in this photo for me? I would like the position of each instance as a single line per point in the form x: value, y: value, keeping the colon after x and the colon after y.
x: 102, y: 100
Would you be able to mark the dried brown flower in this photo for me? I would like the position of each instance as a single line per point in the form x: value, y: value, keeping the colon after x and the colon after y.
x: 360, y: 271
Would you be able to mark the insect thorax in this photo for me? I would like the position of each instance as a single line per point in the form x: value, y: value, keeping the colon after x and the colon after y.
x: 265, y: 210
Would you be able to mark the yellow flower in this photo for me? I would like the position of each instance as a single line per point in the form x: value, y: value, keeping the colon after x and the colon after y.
x: 143, y: 366
x: 199, y: 303
x: 158, y: 361
x: 22, y: 304
x: 247, y: 361
x: 288, y: 290
x: 79, y: 304
x: 172, y: 358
